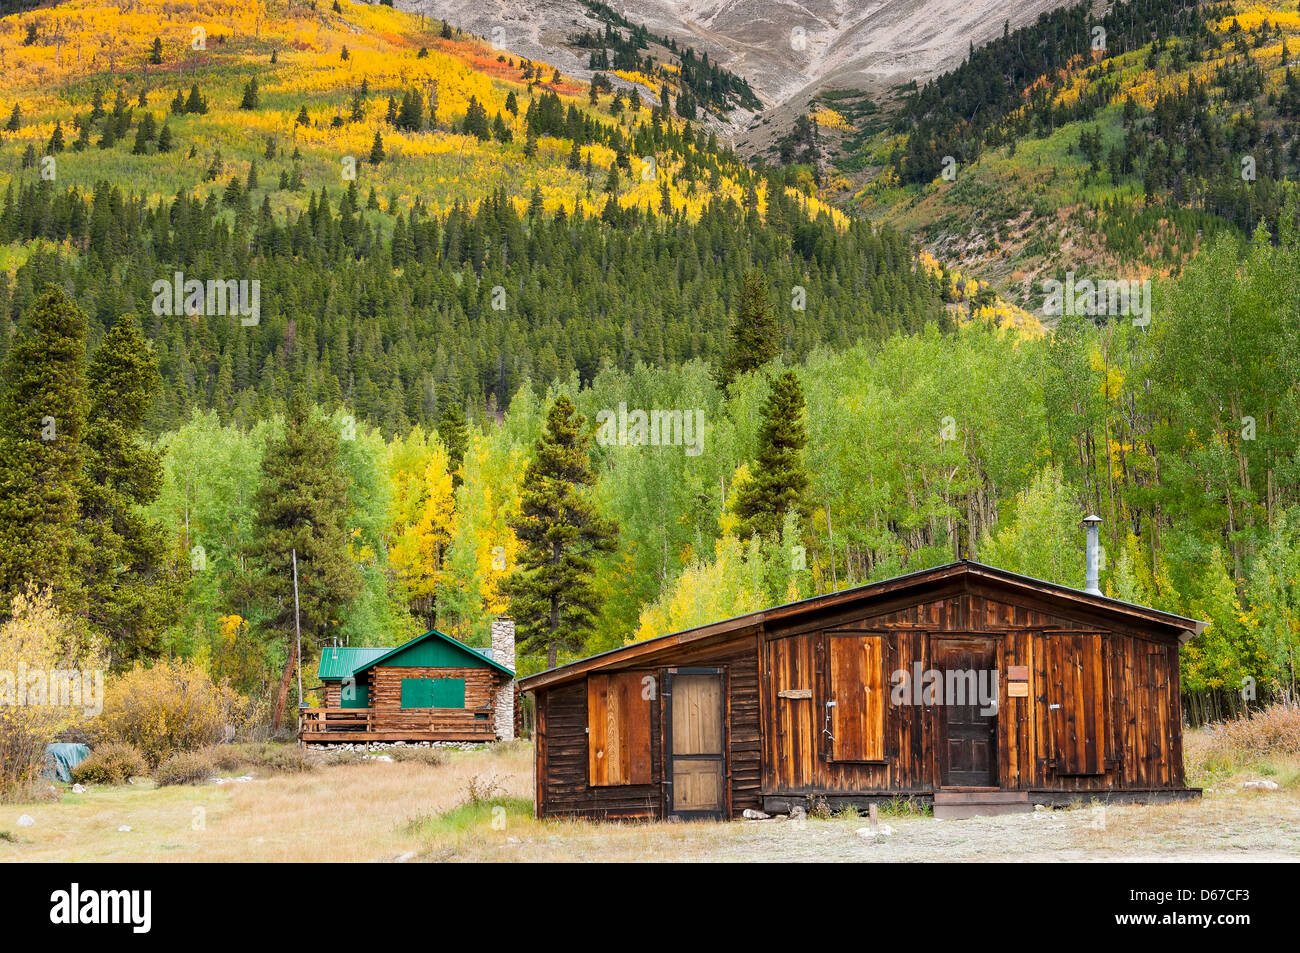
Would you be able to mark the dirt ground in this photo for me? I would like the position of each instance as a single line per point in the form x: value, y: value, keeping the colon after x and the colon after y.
x: 476, y: 807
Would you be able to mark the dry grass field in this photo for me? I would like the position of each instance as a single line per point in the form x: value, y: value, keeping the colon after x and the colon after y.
x: 476, y: 807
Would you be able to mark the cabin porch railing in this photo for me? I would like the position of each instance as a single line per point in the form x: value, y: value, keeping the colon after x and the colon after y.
x: 458, y: 721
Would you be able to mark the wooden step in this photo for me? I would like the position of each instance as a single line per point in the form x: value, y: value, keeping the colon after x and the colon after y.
x: 959, y: 804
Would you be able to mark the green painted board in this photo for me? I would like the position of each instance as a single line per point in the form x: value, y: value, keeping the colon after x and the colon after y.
x: 417, y: 693
x: 448, y: 693
x: 433, y: 693
x: 360, y: 696
x: 435, y: 653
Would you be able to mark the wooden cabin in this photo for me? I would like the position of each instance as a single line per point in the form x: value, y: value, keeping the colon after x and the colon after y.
x: 959, y: 685
x: 432, y: 688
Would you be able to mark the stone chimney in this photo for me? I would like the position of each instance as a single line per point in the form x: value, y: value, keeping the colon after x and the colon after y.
x: 503, y: 653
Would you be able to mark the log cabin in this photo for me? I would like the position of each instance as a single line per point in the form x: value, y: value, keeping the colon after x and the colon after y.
x: 965, y: 687
x: 431, y: 688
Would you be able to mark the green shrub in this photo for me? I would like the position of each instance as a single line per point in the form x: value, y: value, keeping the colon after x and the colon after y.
x: 1262, y: 734
x: 267, y: 757
x: 343, y: 756
x: 515, y: 746
x: 172, y: 706
x: 279, y: 759
x: 185, y: 767
x: 22, y: 754
x: 39, y: 636
x: 430, y: 756
x: 472, y: 815
x: 112, y: 763
x: 226, y: 758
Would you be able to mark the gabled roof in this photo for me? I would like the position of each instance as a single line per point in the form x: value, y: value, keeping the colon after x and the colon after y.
x: 440, y: 639
x: 965, y: 569
x: 354, y: 661
x: 340, y: 661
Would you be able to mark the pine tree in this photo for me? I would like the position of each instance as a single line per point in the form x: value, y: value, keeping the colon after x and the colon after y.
x: 15, y: 119
x: 195, y: 103
x: 755, y: 333
x: 552, y: 595
x: 156, y: 53
x: 130, y: 593
x: 56, y: 140
x: 452, y: 430
x: 165, y: 142
x: 144, y: 134
x: 500, y: 131
x: 302, y: 504
x: 42, y: 422
x: 779, y: 483
x: 250, y: 98
x: 377, y: 149
x: 411, y: 114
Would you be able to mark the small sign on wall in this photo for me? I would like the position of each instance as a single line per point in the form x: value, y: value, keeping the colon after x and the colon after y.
x: 1017, y: 681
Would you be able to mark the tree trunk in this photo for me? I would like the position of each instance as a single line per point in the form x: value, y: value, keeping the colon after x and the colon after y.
x: 282, y: 696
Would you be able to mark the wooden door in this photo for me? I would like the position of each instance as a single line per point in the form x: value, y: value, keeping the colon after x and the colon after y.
x: 968, y: 732
x: 696, y: 744
x: 792, y: 731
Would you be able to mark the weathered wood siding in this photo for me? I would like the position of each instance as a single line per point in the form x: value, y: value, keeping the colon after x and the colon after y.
x: 563, y: 759
x: 563, y: 756
x: 386, y: 685
x: 1118, y: 727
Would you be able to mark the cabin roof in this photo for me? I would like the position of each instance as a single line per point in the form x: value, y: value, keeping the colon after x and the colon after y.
x: 352, y: 661
x: 340, y: 661
x: 1066, y: 596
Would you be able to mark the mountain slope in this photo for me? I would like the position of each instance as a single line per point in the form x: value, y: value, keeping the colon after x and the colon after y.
x: 1118, y: 160
x: 787, y: 50
x: 509, y: 227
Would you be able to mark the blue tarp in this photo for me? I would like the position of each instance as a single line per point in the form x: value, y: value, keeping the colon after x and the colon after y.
x: 60, y: 759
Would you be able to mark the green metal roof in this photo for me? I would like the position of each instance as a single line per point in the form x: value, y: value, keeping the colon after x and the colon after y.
x: 433, y: 649
x: 340, y: 661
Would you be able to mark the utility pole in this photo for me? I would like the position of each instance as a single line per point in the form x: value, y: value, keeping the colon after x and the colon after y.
x: 297, y: 629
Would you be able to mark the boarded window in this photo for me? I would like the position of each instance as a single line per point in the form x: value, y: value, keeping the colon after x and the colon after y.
x: 433, y: 693
x: 417, y: 693
x: 857, y: 719
x: 618, y: 729
x: 352, y: 695
x: 448, y: 693
x: 1076, y: 708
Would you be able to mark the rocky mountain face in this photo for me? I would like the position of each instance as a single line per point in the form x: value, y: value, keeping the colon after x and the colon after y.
x: 787, y: 49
